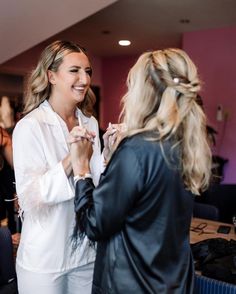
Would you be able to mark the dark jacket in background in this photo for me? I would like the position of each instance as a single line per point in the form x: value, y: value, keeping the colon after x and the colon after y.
x: 140, y: 214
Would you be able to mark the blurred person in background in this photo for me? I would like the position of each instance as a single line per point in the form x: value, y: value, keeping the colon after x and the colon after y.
x: 7, y: 181
x: 6, y: 115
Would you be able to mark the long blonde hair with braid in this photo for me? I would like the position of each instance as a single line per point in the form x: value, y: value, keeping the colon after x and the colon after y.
x: 162, y: 96
x: 38, y: 87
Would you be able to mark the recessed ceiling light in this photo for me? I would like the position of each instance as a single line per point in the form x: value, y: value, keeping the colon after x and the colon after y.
x: 124, y: 42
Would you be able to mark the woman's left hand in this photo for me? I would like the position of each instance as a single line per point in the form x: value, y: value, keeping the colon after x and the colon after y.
x: 111, y: 138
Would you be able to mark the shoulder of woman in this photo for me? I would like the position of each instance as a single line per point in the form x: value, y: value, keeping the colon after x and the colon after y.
x: 39, y: 114
x: 29, y: 124
x: 5, y: 138
x: 140, y: 143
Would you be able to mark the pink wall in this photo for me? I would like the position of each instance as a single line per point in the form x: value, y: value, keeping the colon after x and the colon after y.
x: 114, y: 75
x: 214, y: 52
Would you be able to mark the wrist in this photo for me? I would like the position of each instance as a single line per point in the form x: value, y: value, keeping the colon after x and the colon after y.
x: 106, y: 154
x: 82, y: 177
x: 80, y: 168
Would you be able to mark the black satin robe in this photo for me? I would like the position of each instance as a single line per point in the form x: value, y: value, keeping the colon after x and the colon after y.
x: 140, y: 215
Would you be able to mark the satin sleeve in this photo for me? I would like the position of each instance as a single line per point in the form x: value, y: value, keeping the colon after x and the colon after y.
x: 103, y: 210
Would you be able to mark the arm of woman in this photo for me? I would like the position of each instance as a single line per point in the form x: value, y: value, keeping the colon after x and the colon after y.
x: 7, y: 147
x: 102, y: 211
x: 96, y: 161
x: 66, y: 163
x: 41, y: 180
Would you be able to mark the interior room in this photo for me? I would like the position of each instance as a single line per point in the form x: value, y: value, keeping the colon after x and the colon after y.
x: 206, y: 30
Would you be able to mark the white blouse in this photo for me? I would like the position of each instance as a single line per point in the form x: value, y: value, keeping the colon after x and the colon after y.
x: 46, y: 194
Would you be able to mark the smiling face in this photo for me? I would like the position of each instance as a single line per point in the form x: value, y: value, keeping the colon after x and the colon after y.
x: 72, y: 79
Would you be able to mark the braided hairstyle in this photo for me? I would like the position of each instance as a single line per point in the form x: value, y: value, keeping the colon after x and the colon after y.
x: 163, y: 96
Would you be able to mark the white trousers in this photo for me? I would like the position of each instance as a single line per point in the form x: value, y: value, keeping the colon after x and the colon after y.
x: 75, y: 281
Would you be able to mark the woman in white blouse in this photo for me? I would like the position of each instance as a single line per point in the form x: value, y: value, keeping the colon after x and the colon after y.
x: 58, y: 98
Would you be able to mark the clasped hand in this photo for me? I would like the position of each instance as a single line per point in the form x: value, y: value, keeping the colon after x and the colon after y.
x: 81, y: 141
x: 111, y: 138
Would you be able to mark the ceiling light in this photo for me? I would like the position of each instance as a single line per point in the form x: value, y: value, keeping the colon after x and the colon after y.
x: 124, y: 42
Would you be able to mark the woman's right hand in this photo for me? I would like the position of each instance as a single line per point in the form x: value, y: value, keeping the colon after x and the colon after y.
x: 81, y: 150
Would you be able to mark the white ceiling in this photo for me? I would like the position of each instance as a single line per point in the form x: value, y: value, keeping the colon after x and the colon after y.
x: 148, y: 24
x: 25, y: 23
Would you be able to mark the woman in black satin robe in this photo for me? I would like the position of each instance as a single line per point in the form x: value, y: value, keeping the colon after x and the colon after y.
x: 140, y: 213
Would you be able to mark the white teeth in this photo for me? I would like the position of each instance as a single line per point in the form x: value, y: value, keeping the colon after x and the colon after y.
x: 79, y: 88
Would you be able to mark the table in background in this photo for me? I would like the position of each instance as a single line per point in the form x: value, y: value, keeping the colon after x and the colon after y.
x: 210, y: 231
x: 204, y: 285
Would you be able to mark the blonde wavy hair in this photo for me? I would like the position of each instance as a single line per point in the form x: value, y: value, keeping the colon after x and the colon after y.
x: 163, y: 96
x: 38, y: 87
